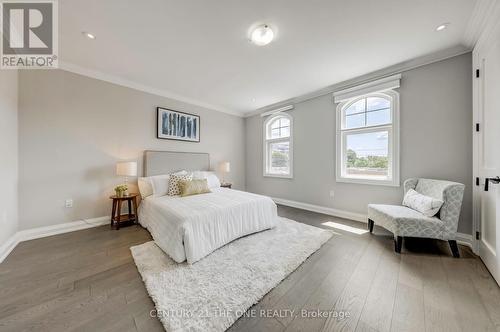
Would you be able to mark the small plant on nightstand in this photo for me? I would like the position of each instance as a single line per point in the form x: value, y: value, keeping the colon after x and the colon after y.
x: 121, y: 190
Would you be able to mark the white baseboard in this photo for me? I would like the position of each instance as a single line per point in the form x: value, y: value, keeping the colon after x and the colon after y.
x: 464, y: 239
x: 39, y: 232
x: 8, y: 246
x: 322, y: 209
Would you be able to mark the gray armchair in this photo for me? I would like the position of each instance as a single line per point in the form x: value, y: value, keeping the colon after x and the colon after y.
x: 403, y: 221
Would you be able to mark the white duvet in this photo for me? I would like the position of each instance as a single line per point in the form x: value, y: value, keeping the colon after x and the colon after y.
x: 189, y: 228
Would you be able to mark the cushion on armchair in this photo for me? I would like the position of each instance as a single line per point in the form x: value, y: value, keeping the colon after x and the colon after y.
x: 426, y: 205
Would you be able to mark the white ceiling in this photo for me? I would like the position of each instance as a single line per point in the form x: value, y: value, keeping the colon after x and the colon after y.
x: 198, y: 51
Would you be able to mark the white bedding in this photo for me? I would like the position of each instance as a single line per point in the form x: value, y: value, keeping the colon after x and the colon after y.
x: 189, y: 228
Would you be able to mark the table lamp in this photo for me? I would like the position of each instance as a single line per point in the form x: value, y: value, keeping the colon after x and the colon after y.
x: 126, y: 169
x: 225, y: 167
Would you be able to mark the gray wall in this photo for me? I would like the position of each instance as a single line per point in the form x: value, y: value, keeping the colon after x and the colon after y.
x: 8, y: 153
x: 73, y: 129
x: 436, y: 142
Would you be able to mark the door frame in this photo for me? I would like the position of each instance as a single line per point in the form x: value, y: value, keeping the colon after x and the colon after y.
x: 489, y: 33
x: 476, y: 121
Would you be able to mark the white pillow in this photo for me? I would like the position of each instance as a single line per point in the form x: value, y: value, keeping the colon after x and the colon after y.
x: 426, y: 205
x: 211, y: 177
x: 145, y: 186
x: 199, y: 175
x: 160, y: 184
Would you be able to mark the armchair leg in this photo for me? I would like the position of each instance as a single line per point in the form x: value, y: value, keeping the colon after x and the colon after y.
x: 454, y: 248
x: 398, y: 243
x: 370, y: 225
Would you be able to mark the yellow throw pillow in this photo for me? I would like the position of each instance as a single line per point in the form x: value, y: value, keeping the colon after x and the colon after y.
x: 193, y: 187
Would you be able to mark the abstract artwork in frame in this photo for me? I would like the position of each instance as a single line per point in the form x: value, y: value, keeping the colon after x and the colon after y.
x: 178, y: 125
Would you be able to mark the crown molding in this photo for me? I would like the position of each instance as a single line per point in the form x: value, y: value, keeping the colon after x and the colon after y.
x: 490, y: 28
x: 482, y: 14
x: 98, y: 75
x: 382, y: 73
x: 391, y: 70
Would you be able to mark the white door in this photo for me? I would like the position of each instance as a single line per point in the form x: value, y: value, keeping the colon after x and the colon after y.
x: 487, y: 152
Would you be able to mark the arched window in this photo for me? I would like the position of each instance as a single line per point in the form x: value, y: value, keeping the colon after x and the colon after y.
x: 278, y: 150
x: 368, y: 139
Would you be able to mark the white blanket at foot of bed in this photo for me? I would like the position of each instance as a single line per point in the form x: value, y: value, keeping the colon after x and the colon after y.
x: 189, y: 228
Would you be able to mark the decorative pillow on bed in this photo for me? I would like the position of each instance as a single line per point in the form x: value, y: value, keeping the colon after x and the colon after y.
x: 426, y: 205
x: 193, y: 187
x: 160, y: 184
x: 212, y: 179
x: 173, y: 183
x: 153, y: 185
x: 145, y: 187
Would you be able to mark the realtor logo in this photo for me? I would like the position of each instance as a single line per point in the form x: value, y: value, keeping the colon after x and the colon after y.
x: 29, y: 31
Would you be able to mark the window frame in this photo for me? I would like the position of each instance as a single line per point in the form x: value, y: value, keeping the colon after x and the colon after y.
x: 268, y: 141
x: 393, y: 139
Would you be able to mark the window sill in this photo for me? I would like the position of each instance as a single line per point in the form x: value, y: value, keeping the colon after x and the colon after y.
x: 283, y: 176
x: 387, y: 183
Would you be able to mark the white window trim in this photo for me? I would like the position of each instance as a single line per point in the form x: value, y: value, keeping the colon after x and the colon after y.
x: 394, y: 155
x: 382, y: 84
x: 266, y: 142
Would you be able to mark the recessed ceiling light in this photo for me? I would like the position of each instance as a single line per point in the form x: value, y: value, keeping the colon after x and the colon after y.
x: 262, y: 35
x: 88, y: 35
x: 442, y: 26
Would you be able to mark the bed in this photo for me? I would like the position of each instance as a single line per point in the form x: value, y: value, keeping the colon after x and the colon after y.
x: 189, y: 228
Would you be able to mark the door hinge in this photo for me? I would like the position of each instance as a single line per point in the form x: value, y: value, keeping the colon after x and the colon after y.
x: 477, y: 181
x: 477, y: 73
x: 477, y: 126
x: 478, y: 236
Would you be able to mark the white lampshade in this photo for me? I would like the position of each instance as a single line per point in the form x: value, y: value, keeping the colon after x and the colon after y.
x: 225, y: 166
x: 126, y: 168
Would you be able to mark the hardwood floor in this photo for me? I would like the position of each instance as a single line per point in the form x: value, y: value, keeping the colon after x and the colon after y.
x: 87, y: 281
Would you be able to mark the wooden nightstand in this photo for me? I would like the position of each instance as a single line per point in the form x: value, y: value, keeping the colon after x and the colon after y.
x: 116, y: 216
x: 226, y: 185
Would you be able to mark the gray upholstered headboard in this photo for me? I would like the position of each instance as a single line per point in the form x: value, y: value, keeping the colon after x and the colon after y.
x: 164, y: 162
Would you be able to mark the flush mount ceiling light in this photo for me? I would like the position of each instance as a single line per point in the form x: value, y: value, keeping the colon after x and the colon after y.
x: 262, y: 35
x: 88, y: 35
x: 442, y: 26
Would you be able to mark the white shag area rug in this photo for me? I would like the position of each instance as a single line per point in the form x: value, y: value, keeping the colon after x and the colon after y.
x: 213, y: 293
